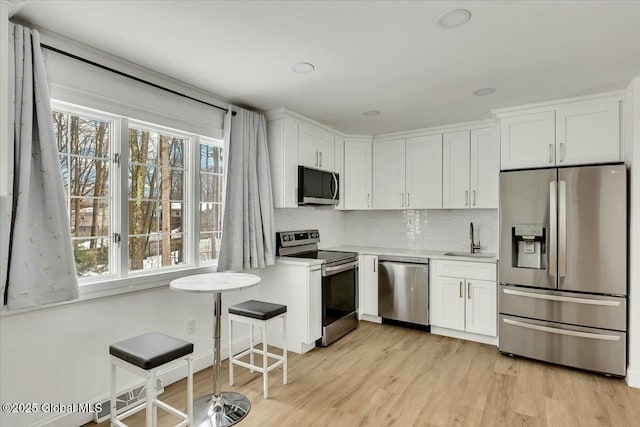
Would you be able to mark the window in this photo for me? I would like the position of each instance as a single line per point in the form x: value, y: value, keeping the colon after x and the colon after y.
x: 156, y: 184
x: 146, y: 217
x: 210, y: 199
x: 84, y: 147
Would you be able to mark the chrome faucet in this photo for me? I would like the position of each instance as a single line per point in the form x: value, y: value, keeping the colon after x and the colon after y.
x: 474, y: 247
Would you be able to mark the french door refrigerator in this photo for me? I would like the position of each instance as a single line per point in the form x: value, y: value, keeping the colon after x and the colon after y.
x: 563, y: 266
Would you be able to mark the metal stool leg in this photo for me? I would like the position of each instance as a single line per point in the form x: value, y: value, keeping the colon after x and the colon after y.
x: 113, y: 393
x: 190, y: 389
x: 265, y: 375
x: 284, y: 349
x: 150, y: 397
x: 230, y: 351
x: 251, y: 346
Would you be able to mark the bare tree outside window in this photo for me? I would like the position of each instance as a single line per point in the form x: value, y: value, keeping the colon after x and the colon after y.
x: 211, y: 179
x: 156, y: 203
x: 83, y: 145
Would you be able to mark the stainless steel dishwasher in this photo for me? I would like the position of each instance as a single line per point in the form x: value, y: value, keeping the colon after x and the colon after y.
x: 403, y: 289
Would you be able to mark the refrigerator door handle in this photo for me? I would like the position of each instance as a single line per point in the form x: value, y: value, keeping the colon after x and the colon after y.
x: 562, y: 229
x: 562, y: 331
x: 553, y: 225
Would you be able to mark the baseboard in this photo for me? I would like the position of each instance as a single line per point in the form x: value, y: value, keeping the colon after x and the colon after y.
x: 633, y: 378
x: 168, y: 376
x: 484, y: 339
x: 370, y: 318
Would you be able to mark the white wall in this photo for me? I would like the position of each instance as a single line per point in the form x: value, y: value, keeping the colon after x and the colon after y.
x: 61, y: 354
x: 632, y: 156
x: 423, y: 229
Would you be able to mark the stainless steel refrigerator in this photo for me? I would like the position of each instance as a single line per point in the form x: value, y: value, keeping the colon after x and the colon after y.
x: 563, y: 266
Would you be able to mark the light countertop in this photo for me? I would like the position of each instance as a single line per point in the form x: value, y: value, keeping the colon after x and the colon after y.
x: 419, y: 253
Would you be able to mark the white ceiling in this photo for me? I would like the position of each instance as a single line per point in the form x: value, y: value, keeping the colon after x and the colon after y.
x: 387, y: 56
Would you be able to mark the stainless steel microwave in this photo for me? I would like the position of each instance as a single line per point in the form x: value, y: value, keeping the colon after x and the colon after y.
x: 317, y: 187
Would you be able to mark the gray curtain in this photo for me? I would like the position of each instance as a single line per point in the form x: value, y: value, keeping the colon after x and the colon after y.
x: 248, y: 231
x: 36, y: 256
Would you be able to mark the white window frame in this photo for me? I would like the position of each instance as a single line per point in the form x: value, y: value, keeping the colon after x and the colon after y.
x: 215, y: 143
x: 121, y: 280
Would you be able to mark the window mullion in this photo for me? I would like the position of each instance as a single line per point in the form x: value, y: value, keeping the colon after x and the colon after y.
x: 122, y: 203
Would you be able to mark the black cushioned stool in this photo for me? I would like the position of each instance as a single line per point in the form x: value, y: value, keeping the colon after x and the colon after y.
x: 258, y: 313
x: 145, y: 355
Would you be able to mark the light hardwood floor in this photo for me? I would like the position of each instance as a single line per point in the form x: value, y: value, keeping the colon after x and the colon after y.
x: 382, y: 375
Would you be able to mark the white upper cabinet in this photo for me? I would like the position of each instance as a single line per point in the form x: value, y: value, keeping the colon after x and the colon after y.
x: 423, y: 162
x: 339, y: 167
x: 315, y: 147
x: 389, y: 176
x: 455, y: 169
x: 528, y: 140
x: 282, y: 140
x: 485, y: 168
x: 561, y: 133
x: 588, y: 132
x: 357, y: 175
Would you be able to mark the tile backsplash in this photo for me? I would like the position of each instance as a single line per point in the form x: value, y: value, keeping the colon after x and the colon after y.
x: 328, y: 221
x: 446, y: 229
x: 440, y: 229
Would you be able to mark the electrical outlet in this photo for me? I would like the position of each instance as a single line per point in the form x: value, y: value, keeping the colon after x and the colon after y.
x: 191, y: 326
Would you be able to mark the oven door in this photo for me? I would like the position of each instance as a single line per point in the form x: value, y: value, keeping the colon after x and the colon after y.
x: 339, y: 291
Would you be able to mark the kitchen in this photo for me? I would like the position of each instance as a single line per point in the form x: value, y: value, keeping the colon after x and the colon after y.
x: 414, y: 179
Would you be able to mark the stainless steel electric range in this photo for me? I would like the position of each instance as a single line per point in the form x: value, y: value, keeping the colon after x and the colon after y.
x: 339, y: 281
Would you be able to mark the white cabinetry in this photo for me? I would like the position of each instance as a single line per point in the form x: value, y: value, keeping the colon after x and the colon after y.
x: 368, y: 287
x: 339, y: 167
x: 561, y: 133
x: 282, y: 140
x: 357, y: 174
x: 408, y: 173
x: 299, y: 287
x: 471, y: 169
x: 424, y: 172
x: 588, y: 132
x: 6, y: 128
x: 315, y: 149
x: 388, y: 179
x: 464, y: 298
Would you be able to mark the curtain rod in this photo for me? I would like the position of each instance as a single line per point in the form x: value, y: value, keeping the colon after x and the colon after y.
x: 129, y: 76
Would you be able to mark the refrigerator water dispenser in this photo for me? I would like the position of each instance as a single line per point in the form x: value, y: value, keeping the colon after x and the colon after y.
x: 529, y: 244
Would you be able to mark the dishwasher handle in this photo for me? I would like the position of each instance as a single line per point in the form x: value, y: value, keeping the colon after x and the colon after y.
x: 404, y: 259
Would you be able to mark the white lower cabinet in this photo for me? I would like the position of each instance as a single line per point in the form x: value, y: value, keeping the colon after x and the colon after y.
x: 464, y: 296
x: 368, y: 285
x: 298, y: 287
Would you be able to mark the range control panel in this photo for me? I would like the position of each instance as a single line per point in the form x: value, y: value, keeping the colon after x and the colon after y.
x: 296, y: 238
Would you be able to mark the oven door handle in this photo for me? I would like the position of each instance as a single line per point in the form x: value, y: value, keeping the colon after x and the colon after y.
x: 330, y: 271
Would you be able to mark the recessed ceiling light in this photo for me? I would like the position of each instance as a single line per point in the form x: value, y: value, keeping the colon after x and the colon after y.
x: 454, y: 18
x: 371, y: 113
x: 484, y: 91
x: 303, y: 67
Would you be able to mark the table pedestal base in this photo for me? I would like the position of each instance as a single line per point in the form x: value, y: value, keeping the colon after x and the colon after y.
x: 226, y: 409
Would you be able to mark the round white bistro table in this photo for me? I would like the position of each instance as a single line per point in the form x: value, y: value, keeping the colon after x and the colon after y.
x: 219, y: 408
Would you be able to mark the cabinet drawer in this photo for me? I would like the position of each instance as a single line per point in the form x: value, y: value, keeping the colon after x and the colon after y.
x: 594, y: 349
x: 468, y: 270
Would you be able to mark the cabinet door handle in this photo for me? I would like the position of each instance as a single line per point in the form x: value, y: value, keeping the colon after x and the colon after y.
x: 562, y: 151
x: 468, y: 290
x: 374, y: 266
x: 368, y: 200
x: 461, y: 289
x: 474, y: 197
x: 466, y: 197
x: 550, y: 153
x: 316, y: 164
x: 408, y: 204
x: 320, y: 158
x: 402, y: 200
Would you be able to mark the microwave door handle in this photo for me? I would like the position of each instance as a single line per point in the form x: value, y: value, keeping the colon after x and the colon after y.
x: 335, y: 183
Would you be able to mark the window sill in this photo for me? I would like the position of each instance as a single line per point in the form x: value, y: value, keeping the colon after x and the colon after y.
x: 115, y: 287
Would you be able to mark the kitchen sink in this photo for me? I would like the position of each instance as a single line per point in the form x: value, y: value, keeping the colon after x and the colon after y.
x: 470, y: 255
